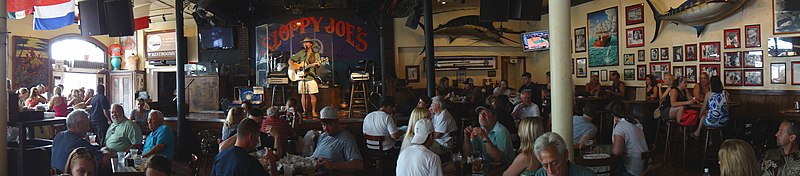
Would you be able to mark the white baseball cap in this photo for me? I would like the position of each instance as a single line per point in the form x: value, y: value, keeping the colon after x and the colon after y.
x: 329, y: 113
x: 422, y: 129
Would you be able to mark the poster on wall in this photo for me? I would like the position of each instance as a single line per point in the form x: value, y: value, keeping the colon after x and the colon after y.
x: 752, y: 36
x: 580, y: 65
x: 30, y: 62
x: 691, y: 73
x: 161, y: 45
x: 786, y: 16
x: 634, y: 14
x: 580, y: 40
x: 659, y: 70
x: 603, y: 38
x: 778, y: 73
x: 635, y: 37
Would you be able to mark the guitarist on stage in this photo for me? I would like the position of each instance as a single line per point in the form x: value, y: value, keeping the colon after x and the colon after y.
x: 307, y: 61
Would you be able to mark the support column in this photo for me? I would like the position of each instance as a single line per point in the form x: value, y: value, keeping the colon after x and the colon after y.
x: 3, y: 96
x: 560, y: 69
x: 430, y: 75
x: 180, y: 75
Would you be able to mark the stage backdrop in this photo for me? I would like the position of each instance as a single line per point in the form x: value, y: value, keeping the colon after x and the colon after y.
x: 30, y: 63
x: 345, y: 39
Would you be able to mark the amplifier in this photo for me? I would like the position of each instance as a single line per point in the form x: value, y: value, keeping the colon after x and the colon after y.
x: 359, y: 76
x: 278, y: 80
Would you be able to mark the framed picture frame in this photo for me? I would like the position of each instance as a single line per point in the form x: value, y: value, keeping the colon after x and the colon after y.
x: 691, y: 52
x: 784, y: 15
x: 580, y: 67
x: 754, y: 77
x: 691, y: 73
x: 634, y: 14
x: 709, y: 52
x: 677, y: 71
x: 660, y: 69
x: 580, y: 40
x: 595, y: 73
x: 630, y: 59
x: 634, y: 37
x: 654, y: 54
x: 777, y: 73
x: 752, y: 36
x: 733, y: 60
x: 665, y: 53
x: 603, y: 51
x: 677, y: 54
x: 629, y: 74
x: 412, y: 73
x: 732, y: 38
x: 461, y: 75
x: 603, y: 75
x: 734, y: 78
x: 640, y: 56
x: 641, y: 72
x: 710, y: 69
x: 795, y: 73
x: 753, y: 59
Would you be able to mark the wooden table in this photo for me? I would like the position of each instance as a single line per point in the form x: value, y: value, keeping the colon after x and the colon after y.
x: 36, y: 143
x: 118, y: 168
x: 790, y: 113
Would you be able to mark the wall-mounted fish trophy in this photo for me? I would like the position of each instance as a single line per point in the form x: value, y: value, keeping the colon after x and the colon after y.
x: 696, y: 13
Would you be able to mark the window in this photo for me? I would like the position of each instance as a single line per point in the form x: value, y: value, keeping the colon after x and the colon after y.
x: 72, y: 49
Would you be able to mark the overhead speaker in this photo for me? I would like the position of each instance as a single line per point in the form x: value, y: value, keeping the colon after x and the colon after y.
x: 530, y: 10
x: 92, y: 17
x: 119, y: 17
x: 494, y: 10
x: 413, y: 19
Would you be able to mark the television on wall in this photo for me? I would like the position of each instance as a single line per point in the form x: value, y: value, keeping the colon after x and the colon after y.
x: 536, y: 41
x: 784, y: 46
x: 217, y: 38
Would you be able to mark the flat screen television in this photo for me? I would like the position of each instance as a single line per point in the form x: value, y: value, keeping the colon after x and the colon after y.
x: 216, y: 38
x: 536, y: 41
x: 783, y: 46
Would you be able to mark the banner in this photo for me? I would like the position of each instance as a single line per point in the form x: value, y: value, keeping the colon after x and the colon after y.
x: 161, y: 45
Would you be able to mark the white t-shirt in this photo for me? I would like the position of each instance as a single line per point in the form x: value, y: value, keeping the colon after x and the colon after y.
x: 444, y: 123
x: 529, y: 111
x: 418, y: 160
x: 380, y: 123
x: 501, y: 91
x: 635, y: 144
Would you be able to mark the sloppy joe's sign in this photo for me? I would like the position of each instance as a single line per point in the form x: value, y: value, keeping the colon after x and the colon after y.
x: 353, y: 35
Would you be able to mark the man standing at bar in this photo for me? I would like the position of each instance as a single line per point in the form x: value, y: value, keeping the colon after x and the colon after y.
x: 492, y: 140
x: 160, y: 140
x: 337, y: 151
x: 536, y: 90
x: 785, y: 160
x: 307, y: 61
x: 100, y: 115
x: 123, y: 134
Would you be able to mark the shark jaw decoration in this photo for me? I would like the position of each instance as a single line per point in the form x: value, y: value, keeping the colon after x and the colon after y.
x: 696, y: 13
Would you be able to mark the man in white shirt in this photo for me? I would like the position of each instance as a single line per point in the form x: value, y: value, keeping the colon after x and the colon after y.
x: 443, y: 124
x: 381, y: 123
x: 526, y: 108
x: 417, y: 159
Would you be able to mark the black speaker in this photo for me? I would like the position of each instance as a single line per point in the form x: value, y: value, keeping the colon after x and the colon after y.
x: 93, y: 18
x: 525, y: 10
x: 413, y: 19
x: 119, y: 17
x: 494, y: 10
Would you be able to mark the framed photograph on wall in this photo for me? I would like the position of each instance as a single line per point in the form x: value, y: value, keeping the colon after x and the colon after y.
x: 641, y: 72
x: 603, y: 75
x: 640, y: 56
x: 629, y: 74
x: 777, y: 73
x: 654, y: 54
x: 677, y: 71
x: 710, y: 69
x: 595, y: 73
x: 709, y: 52
x: 604, y: 50
x: 733, y: 78
x: 795, y: 73
x: 580, y: 40
x: 691, y: 73
x: 665, y: 53
x: 677, y: 54
x: 412, y: 73
x: 731, y: 38
x: 784, y: 17
x: 630, y: 59
x: 691, y: 52
x: 580, y: 67
x: 635, y: 37
x: 733, y: 60
x: 659, y: 70
x: 753, y: 59
x: 754, y: 77
x: 752, y: 36
x: 634, y: 14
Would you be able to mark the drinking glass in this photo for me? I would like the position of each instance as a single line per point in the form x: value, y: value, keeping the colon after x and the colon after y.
x: 121, y: 157
x: 477, y: 165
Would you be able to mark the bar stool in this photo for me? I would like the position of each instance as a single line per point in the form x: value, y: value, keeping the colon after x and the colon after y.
x: 717, y: 143
x: 660, y: 135
x: 672, y: 124
x: 602, y: 114
x: 376, y: 156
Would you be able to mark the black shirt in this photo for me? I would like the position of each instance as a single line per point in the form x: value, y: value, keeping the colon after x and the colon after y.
x: 236, y: 162
x: 99, y: 103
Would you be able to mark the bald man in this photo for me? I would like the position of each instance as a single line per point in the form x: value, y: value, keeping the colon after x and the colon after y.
x: 160, y: 140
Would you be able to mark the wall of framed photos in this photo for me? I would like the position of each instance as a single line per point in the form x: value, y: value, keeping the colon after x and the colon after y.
x: 735, y: 47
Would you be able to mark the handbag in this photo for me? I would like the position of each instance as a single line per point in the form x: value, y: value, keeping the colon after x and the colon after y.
x: 690, y: 117
x: 658, y: 112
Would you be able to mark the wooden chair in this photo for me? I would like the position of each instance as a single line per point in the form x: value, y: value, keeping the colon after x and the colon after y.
x: 376, y: 156
x: 599, y: 166
x: 209, y: 148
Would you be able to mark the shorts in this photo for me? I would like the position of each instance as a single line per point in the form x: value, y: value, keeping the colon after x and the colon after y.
x: 307, y: 87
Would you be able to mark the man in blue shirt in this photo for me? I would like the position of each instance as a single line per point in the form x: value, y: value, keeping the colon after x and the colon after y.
x: 491, y: 139
x: 73, y: 137
x: 100, y: 115
x: 236, y: 161
x: 161, y: 140
x: 337, y: 151
x: 583, y: 129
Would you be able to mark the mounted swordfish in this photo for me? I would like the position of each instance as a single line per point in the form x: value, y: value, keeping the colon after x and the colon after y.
x: 696, y: 13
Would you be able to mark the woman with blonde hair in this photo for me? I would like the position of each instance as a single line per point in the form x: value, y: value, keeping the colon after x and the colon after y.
x: 80, y: 163
x: 58, y: 103
x: 416, y: 115
x: 526, y: 163
x: 235, y: 115
x: 736, y: 157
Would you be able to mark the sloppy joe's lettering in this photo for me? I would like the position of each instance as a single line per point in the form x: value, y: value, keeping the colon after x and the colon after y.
x: 352, y: 34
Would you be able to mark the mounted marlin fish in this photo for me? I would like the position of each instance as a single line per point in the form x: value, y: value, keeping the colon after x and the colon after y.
x: 696, y: 13
x: 471, y: 26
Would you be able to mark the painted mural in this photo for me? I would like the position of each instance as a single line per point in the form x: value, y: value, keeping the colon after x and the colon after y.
x: 603, y: 38
x: 30, y: 63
